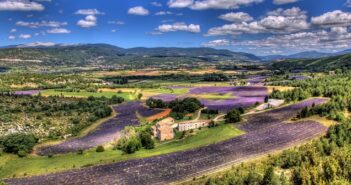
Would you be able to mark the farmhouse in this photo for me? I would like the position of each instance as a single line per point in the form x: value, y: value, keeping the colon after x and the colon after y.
x: 163, y: 129
x: 272, y: 103
x: 189, y: 125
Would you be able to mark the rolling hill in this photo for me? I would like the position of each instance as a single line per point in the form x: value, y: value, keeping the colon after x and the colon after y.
x: 320, y: 64
x: 102, y: 54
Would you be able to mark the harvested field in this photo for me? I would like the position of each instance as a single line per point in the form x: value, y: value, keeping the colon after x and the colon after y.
x: 105, y: 133
x: 160, y: 115
x: 262, y: 137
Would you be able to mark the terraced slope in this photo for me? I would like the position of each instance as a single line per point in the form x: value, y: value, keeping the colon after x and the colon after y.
x: 264, y: 134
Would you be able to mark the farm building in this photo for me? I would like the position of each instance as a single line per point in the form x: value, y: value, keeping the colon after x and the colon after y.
x: 272, y: 103
x: 163, y: 129
x: 189, y: 125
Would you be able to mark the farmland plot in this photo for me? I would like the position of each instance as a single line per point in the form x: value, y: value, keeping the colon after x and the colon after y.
x: 105, y: 133
x: 272, y: 134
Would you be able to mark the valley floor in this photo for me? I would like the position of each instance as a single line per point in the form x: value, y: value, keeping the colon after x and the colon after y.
x: 265, y: 132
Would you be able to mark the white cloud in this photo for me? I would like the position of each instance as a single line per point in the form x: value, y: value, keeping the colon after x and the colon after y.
x: 12, y: 37
x: 348, y: 3
x: 236, y: 17
x: 178, y: 27
x: 13, y: 30
x: 38, y: 44
x: 211, y: 4
x: 164, y: 13
x: 113, y: 30
x: 41, y: 24
x: 219, y: 42
x: 20, y: 5
x: 156, y: 4
x: 278, y: 21
x: 116, y: 22
x: 89, y: 12
x: 280, y: 2
x: 25, y: 36
x: 339, y: 30
x: 58, y: 31
x: 302, y: 41
x: 334, y: 18
x: 138, y: 10
x: 89, y: 21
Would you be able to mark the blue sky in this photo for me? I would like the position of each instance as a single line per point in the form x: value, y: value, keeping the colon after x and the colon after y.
x: 262, y: 27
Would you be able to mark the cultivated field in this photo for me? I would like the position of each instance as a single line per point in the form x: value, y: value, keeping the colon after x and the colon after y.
x: 265, y: 134
x: 105, y: 133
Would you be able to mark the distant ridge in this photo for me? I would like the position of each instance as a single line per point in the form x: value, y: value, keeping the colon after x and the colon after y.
x: 81, y: 53
x: 304, y: 55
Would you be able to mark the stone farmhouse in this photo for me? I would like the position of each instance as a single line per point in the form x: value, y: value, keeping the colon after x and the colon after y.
x: 163, y: 129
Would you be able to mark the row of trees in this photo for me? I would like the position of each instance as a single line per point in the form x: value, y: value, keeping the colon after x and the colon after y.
x: 179, y: 107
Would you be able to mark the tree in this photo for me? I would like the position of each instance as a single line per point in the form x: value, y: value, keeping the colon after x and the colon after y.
x: 146, y: 140
x: 129, y: 144
x: 19, y: 142
x: 100, y: 148
x: 233, y: 116
x: 270, y: 178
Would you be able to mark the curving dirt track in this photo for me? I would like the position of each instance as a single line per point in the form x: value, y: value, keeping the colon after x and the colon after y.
x: 264, y: 134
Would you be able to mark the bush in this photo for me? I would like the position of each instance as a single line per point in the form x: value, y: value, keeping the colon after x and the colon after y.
x: 19, y: 142
x: 129, y: 145
x: 100, y: 149
x: 233, y: 116
x: 146, y: 141
x: 22, y: 153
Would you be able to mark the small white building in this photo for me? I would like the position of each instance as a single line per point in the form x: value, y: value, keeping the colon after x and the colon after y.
x: 189, y: 125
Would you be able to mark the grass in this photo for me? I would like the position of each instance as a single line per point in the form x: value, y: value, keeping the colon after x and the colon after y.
x: 13, y: 166
x: 85, y: 94
x: 280, y: 88
x: 215, y: 96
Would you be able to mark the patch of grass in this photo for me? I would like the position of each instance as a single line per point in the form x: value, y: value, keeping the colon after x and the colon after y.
x: 280, y: 88
x: 11, y: 165
x: 85, y: 94
x: 215, y: 96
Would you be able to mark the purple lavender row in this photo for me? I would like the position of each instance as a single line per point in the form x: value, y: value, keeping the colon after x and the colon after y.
x: 105, y: 133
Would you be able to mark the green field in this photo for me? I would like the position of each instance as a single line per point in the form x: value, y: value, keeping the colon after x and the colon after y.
x: 11, y: 165
x: 85, y: 94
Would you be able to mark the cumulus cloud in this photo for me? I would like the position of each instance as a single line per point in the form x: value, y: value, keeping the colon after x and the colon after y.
x: 210, y: 4
x: 164, y: 13
x: 38, y: 44
x: 89, y: 12
x: 12, y: 37
x: 280, y: 2
x: 13, y: 30
x: 236, y: 17
x: 334, y: 18
x: 215, y: 43
x: 89, y: 21
x: 25, y: 36
x: 138, y: 10
x: 156, y: 4
x: 116, y: 22
x: 348, y: 3
x: 20, y: 5
x: 193, y: 28
x: 41, y: 24
x: 58, y: 31
x: 316, y: 40
x: 278, y: 21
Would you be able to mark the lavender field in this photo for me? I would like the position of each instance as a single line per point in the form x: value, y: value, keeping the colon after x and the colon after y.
x: 242, y: 96
x: 266, y: 132
x: 105, y: 133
